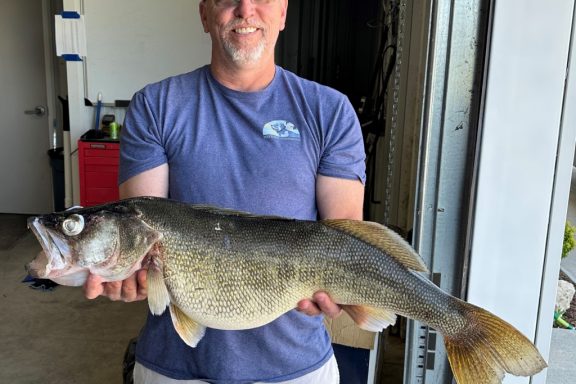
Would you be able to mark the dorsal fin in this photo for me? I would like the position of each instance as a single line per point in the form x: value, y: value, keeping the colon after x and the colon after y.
x: 382, y: 238
x: 234, y: 212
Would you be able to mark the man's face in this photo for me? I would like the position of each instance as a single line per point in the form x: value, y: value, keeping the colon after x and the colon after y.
x: 243, y: 31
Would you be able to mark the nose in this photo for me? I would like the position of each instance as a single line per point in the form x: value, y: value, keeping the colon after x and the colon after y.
x: 244, y: 9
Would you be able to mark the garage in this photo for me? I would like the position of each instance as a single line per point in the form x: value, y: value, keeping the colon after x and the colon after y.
x: 468, y: 123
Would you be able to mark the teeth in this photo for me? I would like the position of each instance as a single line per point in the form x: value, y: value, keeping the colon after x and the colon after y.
x: 246, y: 30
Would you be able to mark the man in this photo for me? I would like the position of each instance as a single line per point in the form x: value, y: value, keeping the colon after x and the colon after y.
x: 245, y: 134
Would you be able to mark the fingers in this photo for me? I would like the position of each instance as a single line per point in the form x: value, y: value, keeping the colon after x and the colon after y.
x: 142, y: 284
x: 93, y: 287
x: 113, y: 289
x: 320, y: 303
x: 326, y: 305
x: 308, y: 307
x: 132, y: 289
x: 128, y: 289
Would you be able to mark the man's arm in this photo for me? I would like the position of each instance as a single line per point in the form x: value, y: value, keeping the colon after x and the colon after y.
x: 336, y: 199
x: 339, y: 198
x: 153, y: 182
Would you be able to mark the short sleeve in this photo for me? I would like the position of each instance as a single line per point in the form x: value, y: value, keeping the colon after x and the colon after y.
x: 343, y: 154
x: 141, y: 145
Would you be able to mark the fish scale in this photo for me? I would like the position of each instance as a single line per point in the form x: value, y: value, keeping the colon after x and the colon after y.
x: 224, y: 269
x: 333, y: 262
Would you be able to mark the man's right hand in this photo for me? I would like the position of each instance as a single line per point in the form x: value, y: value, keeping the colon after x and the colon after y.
x: 153, y: 182
x: 134, y: 288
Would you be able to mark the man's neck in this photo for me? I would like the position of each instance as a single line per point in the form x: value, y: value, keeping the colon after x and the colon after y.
x: 244, y: 78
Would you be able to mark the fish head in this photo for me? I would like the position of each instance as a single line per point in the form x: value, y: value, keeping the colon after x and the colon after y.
x: 109, y: 242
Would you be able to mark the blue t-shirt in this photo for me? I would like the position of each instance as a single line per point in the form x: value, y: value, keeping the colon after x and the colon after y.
x: 253, y: 151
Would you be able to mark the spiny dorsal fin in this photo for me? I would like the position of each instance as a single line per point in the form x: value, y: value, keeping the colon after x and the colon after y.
x: 237, y: 213
x: 125, y: 206
x: 382, y: 238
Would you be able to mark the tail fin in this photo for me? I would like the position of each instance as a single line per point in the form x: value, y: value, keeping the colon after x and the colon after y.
x: 488, y: 348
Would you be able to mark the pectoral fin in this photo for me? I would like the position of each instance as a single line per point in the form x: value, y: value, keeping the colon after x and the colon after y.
x: 190, y: 331
x: 369, y: 318
x: 158, y: 296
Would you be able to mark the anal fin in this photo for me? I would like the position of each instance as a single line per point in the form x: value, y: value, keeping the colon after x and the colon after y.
x: 370, y: 318
x: 190, y: 331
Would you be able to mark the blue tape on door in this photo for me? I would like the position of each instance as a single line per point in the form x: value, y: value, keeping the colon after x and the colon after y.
x: 70, y: 15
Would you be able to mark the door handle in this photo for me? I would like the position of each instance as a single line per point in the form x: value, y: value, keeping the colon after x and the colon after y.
x: 38, y: 111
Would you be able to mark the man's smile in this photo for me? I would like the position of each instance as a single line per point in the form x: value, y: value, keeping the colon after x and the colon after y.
x: 245, y: 30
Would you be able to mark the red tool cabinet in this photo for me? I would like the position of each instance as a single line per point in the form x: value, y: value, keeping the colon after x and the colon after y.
x: 98, y: 167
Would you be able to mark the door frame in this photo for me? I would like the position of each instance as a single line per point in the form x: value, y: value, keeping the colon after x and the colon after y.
x: 50, y: 66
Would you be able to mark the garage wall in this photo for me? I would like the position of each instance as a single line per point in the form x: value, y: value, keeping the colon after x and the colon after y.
x: 126, y: 49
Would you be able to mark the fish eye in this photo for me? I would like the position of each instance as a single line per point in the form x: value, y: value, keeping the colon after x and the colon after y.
x: 73, y: 225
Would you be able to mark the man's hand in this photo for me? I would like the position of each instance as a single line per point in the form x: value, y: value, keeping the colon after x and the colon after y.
x: 133, y: 288
x: 320, y: 303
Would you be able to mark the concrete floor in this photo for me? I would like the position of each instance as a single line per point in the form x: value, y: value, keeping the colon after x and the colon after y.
x: 58, y: 337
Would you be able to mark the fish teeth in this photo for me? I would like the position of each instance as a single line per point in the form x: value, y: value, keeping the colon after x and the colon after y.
x: 246, y: 30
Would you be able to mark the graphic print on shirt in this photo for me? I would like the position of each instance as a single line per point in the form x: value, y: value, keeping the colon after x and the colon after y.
x: 281, y: 129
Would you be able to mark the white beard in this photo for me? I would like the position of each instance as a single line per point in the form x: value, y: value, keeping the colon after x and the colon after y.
x: 245, y: 55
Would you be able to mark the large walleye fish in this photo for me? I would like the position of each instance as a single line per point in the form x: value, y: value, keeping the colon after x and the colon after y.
x: 231, y: 270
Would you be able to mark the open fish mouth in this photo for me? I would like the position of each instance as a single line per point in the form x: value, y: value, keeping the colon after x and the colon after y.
x: 54, y: 255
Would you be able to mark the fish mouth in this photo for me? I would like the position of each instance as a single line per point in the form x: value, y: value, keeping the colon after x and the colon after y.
x: 54, y: 255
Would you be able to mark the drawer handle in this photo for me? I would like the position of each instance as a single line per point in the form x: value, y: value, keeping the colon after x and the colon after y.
x: 99, y: 146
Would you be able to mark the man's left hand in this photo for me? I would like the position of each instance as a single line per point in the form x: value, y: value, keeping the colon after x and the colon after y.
x: 320, y: 303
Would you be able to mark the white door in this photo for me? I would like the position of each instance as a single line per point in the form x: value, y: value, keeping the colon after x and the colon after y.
x: 25, y: 172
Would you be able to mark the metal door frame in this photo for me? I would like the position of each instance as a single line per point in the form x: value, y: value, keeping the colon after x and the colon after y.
x: 450, y: 120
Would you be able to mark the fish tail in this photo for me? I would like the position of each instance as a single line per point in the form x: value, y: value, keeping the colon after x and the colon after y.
x: 488, y: 347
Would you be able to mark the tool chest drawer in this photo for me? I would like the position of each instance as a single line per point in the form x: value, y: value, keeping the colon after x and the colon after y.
x: 98, y: 170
